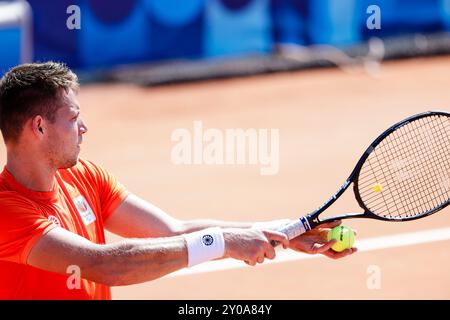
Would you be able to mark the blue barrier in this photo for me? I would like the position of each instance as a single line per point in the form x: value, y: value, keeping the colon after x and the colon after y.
x: 15, y: 35
x: 150, y: 30
x: 406, y: 16
x: 52, y: 40
x: 235, y: 31
x: 175, y: 33
x: 333, y: 22
x: 101, y: 42
x: 290, y: 22
x: 445, y: 13
x: 10, y: 47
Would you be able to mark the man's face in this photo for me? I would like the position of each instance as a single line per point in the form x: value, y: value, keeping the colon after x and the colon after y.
x: 65, y: 134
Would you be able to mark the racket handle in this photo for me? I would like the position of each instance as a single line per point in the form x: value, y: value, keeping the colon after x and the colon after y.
x: 293, y: 229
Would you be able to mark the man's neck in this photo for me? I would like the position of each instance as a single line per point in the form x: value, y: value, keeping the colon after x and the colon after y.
x: 33, y: 173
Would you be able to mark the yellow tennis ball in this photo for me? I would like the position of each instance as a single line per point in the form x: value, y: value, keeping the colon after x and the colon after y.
x: 345, y: 238
x: 377, y: 187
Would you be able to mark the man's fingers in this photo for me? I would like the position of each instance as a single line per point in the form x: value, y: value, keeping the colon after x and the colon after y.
x: 334, y: 224
x: 270, y: 252
x: 277, y: 236
x: 325, y: 247
x: 331, y: 224
x: 338, y: 255
x: 250, y: 263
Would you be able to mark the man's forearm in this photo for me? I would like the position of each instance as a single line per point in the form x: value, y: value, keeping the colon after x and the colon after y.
x: 138, y: 260
x: 189, y: 226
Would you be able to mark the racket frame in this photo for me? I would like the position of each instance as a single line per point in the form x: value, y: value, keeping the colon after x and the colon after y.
x: 312, y: 220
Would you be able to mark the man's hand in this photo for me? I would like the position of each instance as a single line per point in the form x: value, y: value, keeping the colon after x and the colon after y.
x: 252, y: 245
x: 315, y: 241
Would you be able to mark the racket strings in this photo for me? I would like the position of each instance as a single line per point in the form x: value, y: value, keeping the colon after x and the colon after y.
x: 426, y: 184
x: 408, y: 173
x: 427, y: 193
x: 408, y: 167
x: 380, y: 148
x: 390, y: 196
x: 363, y: 176
x: 428, y: 189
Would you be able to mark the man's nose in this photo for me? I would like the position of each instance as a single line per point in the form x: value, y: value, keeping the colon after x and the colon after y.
x: 83, y: 128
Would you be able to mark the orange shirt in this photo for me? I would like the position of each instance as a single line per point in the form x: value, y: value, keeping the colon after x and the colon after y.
x: 82, y: 199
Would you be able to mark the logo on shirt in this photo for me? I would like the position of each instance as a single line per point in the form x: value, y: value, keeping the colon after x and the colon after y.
x: 84, y: 210
x: 54, y: 220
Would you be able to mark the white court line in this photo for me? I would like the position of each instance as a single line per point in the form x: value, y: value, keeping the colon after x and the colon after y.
x: 394, y: 241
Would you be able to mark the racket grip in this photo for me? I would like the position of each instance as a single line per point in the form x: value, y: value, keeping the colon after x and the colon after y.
x: 293, y: 230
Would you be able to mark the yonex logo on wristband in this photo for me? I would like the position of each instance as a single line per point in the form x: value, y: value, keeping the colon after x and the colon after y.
x: 207, y: 239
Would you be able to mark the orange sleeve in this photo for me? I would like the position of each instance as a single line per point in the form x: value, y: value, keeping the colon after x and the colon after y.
x: 110, y: 191
x: 21, y: 226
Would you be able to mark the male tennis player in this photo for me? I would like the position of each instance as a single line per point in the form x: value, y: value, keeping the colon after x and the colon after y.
x: 55, y: 206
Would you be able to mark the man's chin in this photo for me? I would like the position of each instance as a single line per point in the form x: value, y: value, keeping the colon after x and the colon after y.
x: 69, y: 163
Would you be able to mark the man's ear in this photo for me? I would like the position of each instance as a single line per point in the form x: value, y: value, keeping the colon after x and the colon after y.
x: 38, y: 125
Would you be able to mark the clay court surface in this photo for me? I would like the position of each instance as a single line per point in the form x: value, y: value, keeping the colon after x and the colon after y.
x: 326, y: 120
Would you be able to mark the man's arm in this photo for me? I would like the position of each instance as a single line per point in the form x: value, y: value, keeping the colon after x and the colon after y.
x: 137, y: 218
x: 138, y: 260
x: 120, y: 263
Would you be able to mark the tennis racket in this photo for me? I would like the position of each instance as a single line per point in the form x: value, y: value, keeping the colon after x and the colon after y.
x: 403, y: 175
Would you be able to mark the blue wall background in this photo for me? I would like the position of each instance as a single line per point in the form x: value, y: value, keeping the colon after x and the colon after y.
x: 128, y: 31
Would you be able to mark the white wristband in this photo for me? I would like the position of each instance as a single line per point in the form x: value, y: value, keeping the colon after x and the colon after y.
x: 205, y: 245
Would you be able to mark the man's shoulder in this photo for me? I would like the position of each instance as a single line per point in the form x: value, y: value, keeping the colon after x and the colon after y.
x: 10, y: 198
x: 84, y: 171
x: 83, y: 167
